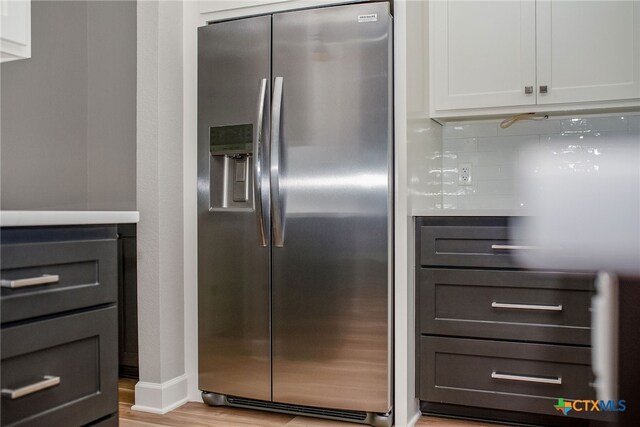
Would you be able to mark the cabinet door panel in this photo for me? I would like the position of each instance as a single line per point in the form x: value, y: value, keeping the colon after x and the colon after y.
x: 472, y: 373
x: 79, y: 349
x: 483, y: 53
x: 15, y: 38
x: 588, y: 50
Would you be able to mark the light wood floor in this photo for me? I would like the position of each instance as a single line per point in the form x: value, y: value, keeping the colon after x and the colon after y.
x: 200, y: 415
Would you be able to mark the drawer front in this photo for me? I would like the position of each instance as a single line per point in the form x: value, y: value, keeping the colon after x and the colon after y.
x: 510, y: 305
x: 111, y: 421
x: 504, y: 375
x: 466, y: 246
x: 78, y: 274
x: 80, y: 351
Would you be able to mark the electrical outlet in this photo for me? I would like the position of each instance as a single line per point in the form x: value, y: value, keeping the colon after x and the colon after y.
x: 464, y: 174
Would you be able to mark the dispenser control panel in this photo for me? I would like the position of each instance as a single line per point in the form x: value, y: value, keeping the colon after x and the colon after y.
x: 231, y: 167
x: 233, y: 139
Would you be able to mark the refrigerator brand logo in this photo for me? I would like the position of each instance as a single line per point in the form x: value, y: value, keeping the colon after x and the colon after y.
x: 372, y: 17
x: 565, y: 406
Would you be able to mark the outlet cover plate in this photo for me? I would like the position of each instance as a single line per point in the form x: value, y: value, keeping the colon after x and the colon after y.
x: 465, y: 177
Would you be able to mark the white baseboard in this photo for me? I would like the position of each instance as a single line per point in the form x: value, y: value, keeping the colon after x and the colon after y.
x: 412, y: 422
x: 161, y: 398
x: 196, y: 397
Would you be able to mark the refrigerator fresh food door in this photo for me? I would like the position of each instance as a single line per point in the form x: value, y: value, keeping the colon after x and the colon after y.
x: 234, y: 74
x: 331, y: 194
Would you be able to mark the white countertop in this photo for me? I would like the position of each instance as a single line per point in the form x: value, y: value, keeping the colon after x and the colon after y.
x: 469, y: 212
x: 39, y: 218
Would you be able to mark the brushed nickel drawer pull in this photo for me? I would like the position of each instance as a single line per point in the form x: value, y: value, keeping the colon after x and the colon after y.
x: 527, y: 306
x: 30, y: 281
x: 47, y: 382
x: 524, y: 378
x: 512, y: 247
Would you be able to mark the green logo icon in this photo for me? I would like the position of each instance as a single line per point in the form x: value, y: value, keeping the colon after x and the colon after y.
x: 563, y: 406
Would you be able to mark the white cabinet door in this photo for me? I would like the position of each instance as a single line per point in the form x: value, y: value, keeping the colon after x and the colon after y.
x: 483, y: 53
x: 588, y: 50
x: 15, y: 30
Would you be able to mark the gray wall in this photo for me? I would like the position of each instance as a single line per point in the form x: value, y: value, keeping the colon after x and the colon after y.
x: 68, y: 135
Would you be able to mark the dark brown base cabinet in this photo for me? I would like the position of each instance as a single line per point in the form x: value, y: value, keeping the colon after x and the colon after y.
x: 629, y: 350
x: 496, y: 341
x: 59, y: 331
x: 127, y: 301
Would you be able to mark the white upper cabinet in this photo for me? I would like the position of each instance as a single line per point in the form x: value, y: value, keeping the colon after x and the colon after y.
x: 483, y: 53
x: 15, y: 30
x: 509, y: 57
x: 588, y: 50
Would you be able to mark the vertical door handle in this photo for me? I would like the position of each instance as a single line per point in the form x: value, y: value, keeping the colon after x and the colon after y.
x: 604, y: 336
x: 258, y: 146
x: 276, y: 166
x: 528, y: 90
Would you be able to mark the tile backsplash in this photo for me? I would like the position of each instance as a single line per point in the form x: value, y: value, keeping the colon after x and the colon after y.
x: 496, y: 154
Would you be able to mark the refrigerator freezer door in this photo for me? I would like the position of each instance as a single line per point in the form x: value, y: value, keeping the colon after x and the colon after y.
x: 331, y: 279
x: 233, y: 268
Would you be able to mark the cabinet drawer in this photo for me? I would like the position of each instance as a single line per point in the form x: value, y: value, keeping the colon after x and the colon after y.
x: 504, y: 375
x: 467, y: 246
x: 80, y: 350
x: 111, y: 421
x: 78, y: 274
x: 510, y: 305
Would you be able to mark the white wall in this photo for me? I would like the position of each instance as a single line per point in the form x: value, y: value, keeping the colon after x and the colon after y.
x: 68, y: 113
x: 44, y: 114
x: 161, y: 310
x: 418, y: 146
x: 111, y: 105
x: 424, y: 136
x: 192, y: 20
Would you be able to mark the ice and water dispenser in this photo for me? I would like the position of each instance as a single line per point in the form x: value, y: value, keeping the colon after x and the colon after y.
x: 231, y: 167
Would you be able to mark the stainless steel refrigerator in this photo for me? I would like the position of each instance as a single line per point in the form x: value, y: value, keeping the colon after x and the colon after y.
x: 295, y: 203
